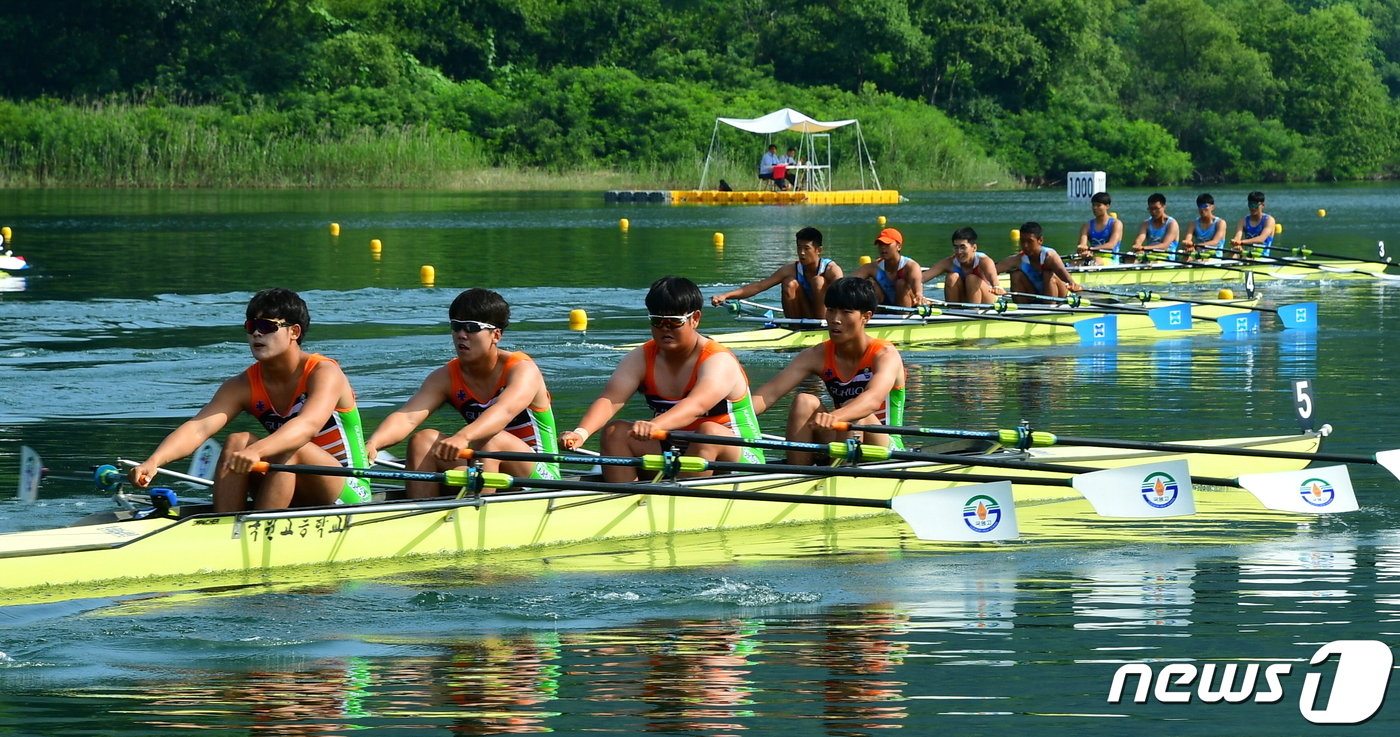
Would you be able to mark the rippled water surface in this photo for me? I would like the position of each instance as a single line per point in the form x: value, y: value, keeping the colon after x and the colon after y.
x: 130, y: 317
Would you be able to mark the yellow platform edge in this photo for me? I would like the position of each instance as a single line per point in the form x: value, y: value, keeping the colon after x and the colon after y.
x: 840, y: 197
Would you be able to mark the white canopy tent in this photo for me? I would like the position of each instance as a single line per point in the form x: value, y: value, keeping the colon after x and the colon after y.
x: 813, y: 149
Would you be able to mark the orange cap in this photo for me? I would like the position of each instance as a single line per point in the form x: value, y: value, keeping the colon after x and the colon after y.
x: 890, y: 236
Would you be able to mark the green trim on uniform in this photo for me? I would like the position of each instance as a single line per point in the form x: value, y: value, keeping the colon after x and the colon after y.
x: 355, y: 491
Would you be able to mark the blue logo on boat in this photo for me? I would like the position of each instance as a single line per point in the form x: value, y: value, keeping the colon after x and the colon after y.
x: 1159, y: 490
x: 1317, y: 492
x: 981, y: 513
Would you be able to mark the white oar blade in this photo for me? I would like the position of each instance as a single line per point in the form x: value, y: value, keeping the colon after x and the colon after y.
x: 1390, y: 461
x: 1148, y: 490
x: 1244, y: 323
x: 1100, y: 330
x: 1321, y: 490
x: 1300, y: 316
x: 1171, y: 317
x: 31, y: 470
x: 973, y: 513
x: 203, y: 461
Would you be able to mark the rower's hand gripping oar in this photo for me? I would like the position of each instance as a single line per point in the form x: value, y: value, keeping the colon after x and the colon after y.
x: 1269, y: 489
x: 981, y: 512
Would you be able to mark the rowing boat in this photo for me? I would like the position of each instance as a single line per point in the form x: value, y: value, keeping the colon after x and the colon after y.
x: 1215, y: 271
x: 192, y: 547
x: 1047, y: 324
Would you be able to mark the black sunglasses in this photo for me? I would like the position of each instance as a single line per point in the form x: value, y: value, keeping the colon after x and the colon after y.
x: 264, y: 325
x: 471, y: 326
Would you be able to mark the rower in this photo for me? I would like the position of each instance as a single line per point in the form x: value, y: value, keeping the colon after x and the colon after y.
x: 501, y: 394
x: 1207, y: 231
x: 803, y: 281
x: 1037, y: 268
x: 319, y: 425
x: 897, y: 278
x: 1255, y: 234
x: 689, y: 381
x: 1100, y: 239
x: 864, y: 376
x: 1159, y: 232
x: 972, y: 275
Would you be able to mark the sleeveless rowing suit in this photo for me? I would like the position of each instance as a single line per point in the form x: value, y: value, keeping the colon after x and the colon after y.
x: 737, y: 415
x: 958, y: 268
x: 891, y: 409
x: 1100, y: 238
x: 1204, y: 235
x: 1159, y: 235
x: 1262, y: 248
x: 342, y: 436
x: 883, y: 280
x: 802, y: 278
x: 534, y: 425
x: 1036, y: 272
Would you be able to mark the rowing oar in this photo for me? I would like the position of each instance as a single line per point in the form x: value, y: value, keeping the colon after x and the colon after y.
x: 1269, y: 261
x: 1298, y: 316
x: 1149, y: 257
x: 1305, y: 252
x: 1387, y: 459
x: 1283, y: 490
x: 933, y: 515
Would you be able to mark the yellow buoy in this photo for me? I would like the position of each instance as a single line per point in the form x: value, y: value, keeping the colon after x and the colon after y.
x: 427, y: 275
x: 5, y: 231
x: 864, y: 260
x: 1225, y: 294
x: 1322, y: 213
x: 1015, y: 235
x: 718, y: 239
x: 1278, y: 227
x: 375, y: 246
x: 624, y: 224
x: 335, y: 228
x: 880, y: 220
x: 578, y: 320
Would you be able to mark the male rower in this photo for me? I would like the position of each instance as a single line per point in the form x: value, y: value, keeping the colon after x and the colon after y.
x: 690, y: 382
x: 1159, y: 232
x: 1100, y: 239
x: 897, y: 278
x: 302, y: 399
x: 864, y: 376
x: 1037, y: 268
x: 500, y: 394
x: 1207, y: 231
x: 1255, y: 234
x: 972, y: 275
x: 803, y: 281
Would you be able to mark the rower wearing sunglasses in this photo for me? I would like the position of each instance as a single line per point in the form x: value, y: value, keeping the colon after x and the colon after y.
x: 302, y: 399
x: 501, y: 395
x: 864, y: 376
x: 690, y: 382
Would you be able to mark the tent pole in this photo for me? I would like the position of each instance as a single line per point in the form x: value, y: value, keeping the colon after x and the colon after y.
x: 705, y: 172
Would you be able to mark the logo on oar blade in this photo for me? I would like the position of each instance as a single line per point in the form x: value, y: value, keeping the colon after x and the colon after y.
x: 981, y: 513
x: 1159, y: 490
x: 1317, y: 492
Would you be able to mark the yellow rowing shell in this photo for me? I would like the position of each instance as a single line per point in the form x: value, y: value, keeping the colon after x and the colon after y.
x: 1205, y: 272
x: 1050, y: 324
x: 203, y: 550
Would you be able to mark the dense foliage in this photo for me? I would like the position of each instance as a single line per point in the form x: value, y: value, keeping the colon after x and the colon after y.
x: 950, y: 92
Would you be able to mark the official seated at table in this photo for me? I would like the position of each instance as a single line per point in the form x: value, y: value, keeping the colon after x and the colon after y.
x: 771, y: 168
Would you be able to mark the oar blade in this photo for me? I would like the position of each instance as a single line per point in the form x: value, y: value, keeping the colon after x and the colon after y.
x: 1320, y: 490
x: 1148, y: 490
x: 1171, y: 317
x: 973, y: 513
x: 203, y: 461
x: 1098, y: 330
x: 31, y: 471
x: 1241, y: 324
x: 1390, y: 461
x: 1300, y: 316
